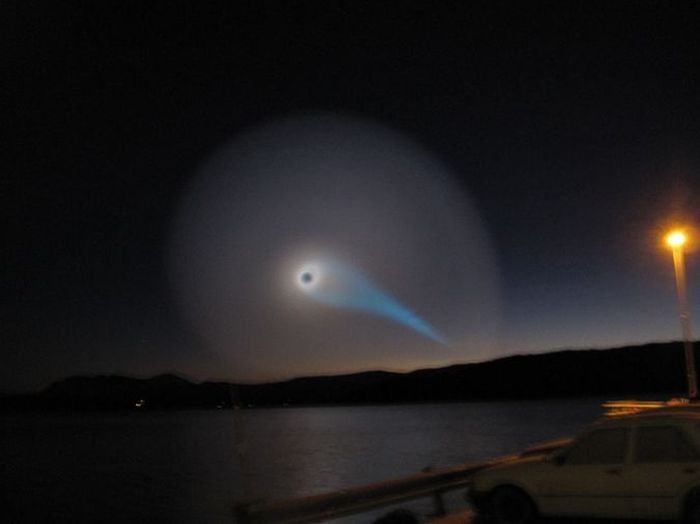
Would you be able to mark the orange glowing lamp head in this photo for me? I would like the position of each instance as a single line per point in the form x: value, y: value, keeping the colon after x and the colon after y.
x: 676, y: 238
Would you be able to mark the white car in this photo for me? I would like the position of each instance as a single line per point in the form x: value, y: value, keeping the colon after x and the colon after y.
x: 642, y: 466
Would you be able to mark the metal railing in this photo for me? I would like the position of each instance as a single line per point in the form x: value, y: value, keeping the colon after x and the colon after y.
x: 360, y: 499
x: 617, y: 408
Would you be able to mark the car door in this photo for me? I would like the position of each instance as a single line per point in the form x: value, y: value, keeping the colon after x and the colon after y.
x: 589, y: 479
x: 664, y: 465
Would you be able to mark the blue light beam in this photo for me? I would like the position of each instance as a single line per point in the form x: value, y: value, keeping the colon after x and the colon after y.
x: 339, y: 285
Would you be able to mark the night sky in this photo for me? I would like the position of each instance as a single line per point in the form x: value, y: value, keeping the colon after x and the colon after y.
x: 571, y: 128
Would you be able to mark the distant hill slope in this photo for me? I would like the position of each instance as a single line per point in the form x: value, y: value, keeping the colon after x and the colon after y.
x: 648, y: 369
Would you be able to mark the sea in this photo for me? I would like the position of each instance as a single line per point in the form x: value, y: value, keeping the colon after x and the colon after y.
x: 194, y: 466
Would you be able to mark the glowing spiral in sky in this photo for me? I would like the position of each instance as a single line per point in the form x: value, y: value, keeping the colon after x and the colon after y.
x: 323, y: 244
x: 340, y: 285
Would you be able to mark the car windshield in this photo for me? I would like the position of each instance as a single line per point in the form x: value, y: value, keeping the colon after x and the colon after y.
x: 603, y: 446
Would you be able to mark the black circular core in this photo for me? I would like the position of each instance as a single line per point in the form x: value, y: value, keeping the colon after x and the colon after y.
x: 306, y: 277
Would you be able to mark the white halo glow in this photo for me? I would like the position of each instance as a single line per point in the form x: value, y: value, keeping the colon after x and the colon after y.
x: 287, y: 196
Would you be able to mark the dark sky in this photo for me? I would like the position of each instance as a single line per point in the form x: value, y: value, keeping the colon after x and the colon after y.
x: 574, y: 126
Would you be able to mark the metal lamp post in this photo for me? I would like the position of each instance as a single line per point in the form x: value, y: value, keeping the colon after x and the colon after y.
x: 676, y: 240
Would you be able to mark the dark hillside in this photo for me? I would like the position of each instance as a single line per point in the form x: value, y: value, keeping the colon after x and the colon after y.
x: 649, y: 369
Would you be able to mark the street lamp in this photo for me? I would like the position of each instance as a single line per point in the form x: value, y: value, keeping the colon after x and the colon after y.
x: 676, y: 240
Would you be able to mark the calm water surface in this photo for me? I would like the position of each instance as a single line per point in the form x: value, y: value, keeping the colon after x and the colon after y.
x: 191, y: 466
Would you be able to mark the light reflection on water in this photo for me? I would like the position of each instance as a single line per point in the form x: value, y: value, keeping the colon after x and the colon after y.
x: 190, y: 466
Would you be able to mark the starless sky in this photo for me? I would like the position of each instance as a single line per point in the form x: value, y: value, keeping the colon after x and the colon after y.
x: 573, y: 126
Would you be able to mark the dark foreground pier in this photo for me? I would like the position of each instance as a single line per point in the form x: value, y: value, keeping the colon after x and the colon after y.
x: 428, y: 484
x: 352, y: 501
